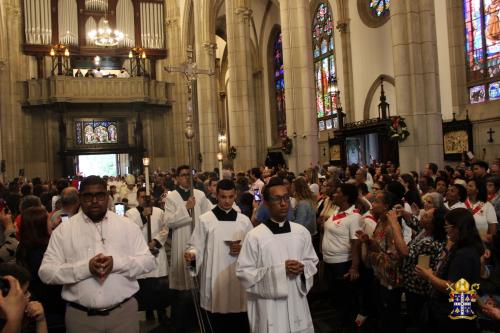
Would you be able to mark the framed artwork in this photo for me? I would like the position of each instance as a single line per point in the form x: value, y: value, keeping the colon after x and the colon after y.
x: 457, y: 139
x: 100, y: 132
x: 335, y: 154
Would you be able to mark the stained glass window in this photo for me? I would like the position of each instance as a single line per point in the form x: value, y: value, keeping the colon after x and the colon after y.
x: 279, y: 83
x: 96, y: 132
x: 380, y: 7
x: 482, y: 49
x: 324, y: 66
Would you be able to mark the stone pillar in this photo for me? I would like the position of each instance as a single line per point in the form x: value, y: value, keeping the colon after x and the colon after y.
x: 240, y: 88
x: 299, y: 84
x: 206, y: 85
x: 417, y: 82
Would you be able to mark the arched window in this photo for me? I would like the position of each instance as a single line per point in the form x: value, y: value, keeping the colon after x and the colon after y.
x: 380, y: 7
x: 279, y: 84
x: 325, y: 71
x: 482, y: 49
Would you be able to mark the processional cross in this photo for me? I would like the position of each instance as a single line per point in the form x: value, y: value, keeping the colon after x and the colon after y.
x: 191, y: 72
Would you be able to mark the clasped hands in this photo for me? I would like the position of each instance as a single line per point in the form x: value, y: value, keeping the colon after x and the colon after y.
x: 101, y: 266
x: 293, y: 267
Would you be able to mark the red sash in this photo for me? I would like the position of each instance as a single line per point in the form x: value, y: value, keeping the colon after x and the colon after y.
x: 476, y: 209
x: 371, y: 218
x: 340, y: 216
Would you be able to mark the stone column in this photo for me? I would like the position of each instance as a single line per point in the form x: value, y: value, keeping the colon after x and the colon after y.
x: 299, y: 83
x: 240, y: 88
x: 206, y: 85
x: 417, y: 82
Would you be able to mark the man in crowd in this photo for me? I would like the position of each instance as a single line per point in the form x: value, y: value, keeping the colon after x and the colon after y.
x: 143, y: 215
x: 257, y: 184
x: 128, y: 193
x: 480, y: 170
x: 70, y: 204
x: 276, y: 267
x: 182, y: 212
x: 214, y: 248
x: 212, y: 190
x: 97, y: 256
x: 430, y: 170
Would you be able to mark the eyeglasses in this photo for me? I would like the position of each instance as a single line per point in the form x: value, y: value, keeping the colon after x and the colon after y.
x: 276, y: 198
x: 89, y: 197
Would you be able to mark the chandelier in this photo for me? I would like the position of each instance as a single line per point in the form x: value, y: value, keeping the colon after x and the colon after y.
x: 105, y: 36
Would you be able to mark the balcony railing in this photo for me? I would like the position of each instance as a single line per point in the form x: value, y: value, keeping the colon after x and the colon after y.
x: 97, y: 90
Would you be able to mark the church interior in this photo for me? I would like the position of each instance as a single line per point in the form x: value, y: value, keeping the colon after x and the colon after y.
x: 299, y: 82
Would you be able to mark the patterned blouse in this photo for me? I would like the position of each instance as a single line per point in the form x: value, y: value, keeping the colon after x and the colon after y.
x: 386, y: 263
x: 9, y: 246
x: 420, y: 245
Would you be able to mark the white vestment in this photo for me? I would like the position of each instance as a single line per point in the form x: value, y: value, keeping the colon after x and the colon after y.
x: 159, y: 232
x: 179, y: 222
x: 220, y: 289
x: 277, y: 302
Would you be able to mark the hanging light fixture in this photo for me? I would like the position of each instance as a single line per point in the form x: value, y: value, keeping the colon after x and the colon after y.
x: 105, y: 36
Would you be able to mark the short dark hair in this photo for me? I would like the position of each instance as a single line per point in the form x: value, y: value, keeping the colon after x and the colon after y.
x: 462, y: 192
x: 225, y: 185
x: 433, y: 167
x: 182, y: 167
x: 351, y: 191
x: 481, y: 164
x: 212, y: 179
x: 140, y: 190
x: 363, y: 188
x: 92, y: 180
x: 26, y: 189
x: 18, y: 272
x: 495, y: 181
x: 274, y: 181
x: 29, y: 201
x: 256, y: 172
x: 429, y: 180
x: 61, y: 185
x: 397, y: 189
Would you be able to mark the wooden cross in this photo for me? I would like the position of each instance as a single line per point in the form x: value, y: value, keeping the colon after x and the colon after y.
x: 490, y: 132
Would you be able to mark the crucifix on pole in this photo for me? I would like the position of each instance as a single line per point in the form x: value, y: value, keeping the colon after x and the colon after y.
x: 191, y: 72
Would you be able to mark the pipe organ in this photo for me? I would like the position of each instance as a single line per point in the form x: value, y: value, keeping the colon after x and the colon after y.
x: 37, y: 22
x: 68, y: 22
x: 152, y: 25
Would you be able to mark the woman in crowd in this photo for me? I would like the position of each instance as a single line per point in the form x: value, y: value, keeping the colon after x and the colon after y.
x: 441, y: 186
x: 483, y: 211
x: 305, y: 207
x: 460, y: 259
x: 455, y: 196
x: 385, y: 253
x: 34, y: 239
x: 493, y: 188
x: 412, y: 195
x: 429, y: 242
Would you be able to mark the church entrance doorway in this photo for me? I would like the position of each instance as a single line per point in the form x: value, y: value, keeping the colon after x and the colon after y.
x: 102, y: 164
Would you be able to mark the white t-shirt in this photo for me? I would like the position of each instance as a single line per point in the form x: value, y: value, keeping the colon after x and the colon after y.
x: 484, y: 215
x: 340, y: 229
x: 459, y: 204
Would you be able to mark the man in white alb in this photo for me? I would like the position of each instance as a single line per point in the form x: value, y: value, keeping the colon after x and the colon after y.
x: 154, y: 285
x: 276, y: 265
x: 179, y: 207
x: 97, y: 255
x: 213, y: 249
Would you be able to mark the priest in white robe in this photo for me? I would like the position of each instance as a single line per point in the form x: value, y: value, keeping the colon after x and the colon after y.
x: 213, y: 251
x: 178, y: 208
x: 276, y: 265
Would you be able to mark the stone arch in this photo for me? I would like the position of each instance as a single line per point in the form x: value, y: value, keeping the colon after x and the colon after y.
x: 372, y: 90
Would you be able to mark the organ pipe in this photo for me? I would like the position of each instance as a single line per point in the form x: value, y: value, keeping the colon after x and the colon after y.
x: 97, y: 5
x: 152, y: 25
x: 125, y: 22
x: 37, y: 22
x: 68, y: 22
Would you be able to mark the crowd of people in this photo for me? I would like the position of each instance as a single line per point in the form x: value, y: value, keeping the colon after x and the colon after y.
x: 249, y: 251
